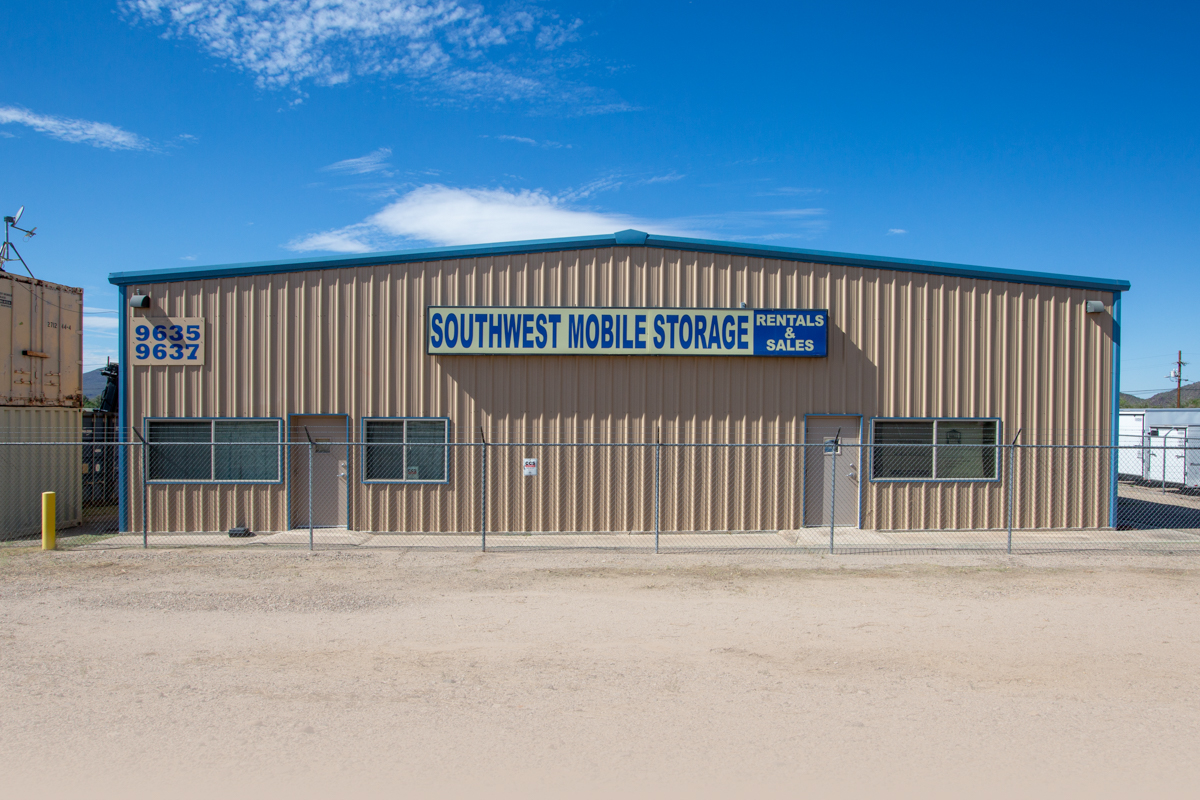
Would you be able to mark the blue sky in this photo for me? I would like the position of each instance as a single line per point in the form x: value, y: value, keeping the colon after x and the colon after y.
x: 1052, y: 137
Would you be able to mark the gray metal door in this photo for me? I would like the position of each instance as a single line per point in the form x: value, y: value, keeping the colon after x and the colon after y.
x: 330, y: 470
x: 831, y: 471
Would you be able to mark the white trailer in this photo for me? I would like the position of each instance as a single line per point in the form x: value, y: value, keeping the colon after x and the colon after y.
x: 1130, y: 458
x: 1160, y: 445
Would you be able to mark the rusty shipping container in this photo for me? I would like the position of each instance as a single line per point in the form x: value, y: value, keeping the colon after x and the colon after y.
x: 331, y: 344
x: 42, y: 328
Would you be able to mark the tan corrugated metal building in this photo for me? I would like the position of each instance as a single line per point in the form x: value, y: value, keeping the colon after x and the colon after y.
x: 374, y: 350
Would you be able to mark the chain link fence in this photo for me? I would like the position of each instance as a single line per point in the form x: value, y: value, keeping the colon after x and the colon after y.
x: 184, y: 489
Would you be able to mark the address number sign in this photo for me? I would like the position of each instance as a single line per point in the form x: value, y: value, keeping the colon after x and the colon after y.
x: 178, y: 341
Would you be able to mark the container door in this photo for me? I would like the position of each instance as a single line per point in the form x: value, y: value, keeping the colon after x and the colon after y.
x: 40, y: 328
x: 1165, y: 455
x: 831, y: 471
x: 1192, y: 450
x: 330, y: 473
x: 1175, y: 454
x: 1152, y: 451
x: 1131, y: 455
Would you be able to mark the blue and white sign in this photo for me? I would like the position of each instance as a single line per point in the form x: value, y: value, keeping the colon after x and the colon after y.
x: 177, y: 341
x: 790, y: 332
x: 627, y: 331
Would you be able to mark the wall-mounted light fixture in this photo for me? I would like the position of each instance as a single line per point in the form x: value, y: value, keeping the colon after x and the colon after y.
x: 1095, y: 306
x: 139, y: 301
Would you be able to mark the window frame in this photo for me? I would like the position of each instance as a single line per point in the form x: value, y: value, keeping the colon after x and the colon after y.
x: 212, y: 443
x: 362, y: 438
x: 934, y: 445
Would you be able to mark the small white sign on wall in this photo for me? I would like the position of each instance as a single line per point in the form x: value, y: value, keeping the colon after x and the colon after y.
x: 529, y: 467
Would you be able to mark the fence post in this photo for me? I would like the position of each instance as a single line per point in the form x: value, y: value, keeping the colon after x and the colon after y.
x: 833, y: 492
x: 145, y: 499
x: 483, y: 494
x: 310, y: 519
x: 1164, y: 466
x: 1012, y: 457
x: 657, y: 449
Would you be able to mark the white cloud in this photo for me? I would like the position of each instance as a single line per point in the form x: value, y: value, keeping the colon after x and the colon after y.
x: 607, y: 108
x: 670, y: 177
x: 546, y: 143
x: 99, y: 336
x: 762, y: 226
x: 100, y: 325
x: 609, y: 183
x: 97, y: 134
x: 454, y: 46
x: 351, y: 239
x: 444, y: 215
x: 376, y: 161
x: 437, y: 213
x: 555, y: 35
x: 896, y: 232
x: 788, y: 191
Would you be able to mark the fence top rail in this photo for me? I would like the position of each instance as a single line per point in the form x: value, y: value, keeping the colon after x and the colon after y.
x: 1161, y: 444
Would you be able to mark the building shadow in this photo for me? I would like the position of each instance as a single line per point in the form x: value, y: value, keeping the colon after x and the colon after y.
x: 1135, y: 514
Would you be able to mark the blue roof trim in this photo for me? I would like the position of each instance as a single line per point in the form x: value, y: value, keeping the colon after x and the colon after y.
x: 622, y: 238
x: 881, y: 262
x: 632, y: 237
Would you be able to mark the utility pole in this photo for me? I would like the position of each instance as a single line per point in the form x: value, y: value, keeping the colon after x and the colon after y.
x: 1177, y: 374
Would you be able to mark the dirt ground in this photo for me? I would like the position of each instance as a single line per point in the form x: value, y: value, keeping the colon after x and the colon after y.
x: 416, y: 673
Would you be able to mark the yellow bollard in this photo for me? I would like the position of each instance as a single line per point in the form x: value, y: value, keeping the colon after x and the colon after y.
x: 48, y: 537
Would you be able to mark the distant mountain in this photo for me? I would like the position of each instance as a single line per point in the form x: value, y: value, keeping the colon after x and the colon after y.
x: 93, y: 384
x: 1189, y: 398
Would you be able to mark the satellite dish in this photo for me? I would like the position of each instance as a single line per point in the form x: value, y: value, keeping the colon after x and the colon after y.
x: 17, y: 216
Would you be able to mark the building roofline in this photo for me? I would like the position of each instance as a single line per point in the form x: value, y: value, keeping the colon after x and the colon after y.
x: 629, y: 238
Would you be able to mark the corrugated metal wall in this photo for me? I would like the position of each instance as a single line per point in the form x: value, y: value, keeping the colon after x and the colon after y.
x: 28, y: 470
x: 900, y: 345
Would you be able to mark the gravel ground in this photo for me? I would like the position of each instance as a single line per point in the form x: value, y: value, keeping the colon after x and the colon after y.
x: 292, y: 674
